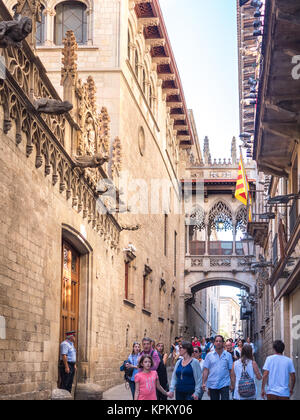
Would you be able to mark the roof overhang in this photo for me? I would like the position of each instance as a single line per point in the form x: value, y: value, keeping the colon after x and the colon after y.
x: 152, y: 23
x: 278, y: 110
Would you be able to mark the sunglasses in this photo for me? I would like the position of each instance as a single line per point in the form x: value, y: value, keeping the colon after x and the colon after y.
x: 196, y: 351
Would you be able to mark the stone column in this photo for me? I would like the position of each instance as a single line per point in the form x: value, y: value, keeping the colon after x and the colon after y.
x: 206, y: 239
x: 234, y: 238
x: 188, y: 240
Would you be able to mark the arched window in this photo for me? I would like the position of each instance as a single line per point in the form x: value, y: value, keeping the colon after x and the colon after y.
x: 41, y: 28
x: 71, y: 16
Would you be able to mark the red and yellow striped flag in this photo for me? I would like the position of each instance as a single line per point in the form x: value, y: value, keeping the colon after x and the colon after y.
x: 242, y: 192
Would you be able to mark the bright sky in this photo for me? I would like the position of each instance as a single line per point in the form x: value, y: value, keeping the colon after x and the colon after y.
x: 203, y: 35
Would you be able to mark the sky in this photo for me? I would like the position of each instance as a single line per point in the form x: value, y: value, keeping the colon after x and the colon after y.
x: 203, y: 35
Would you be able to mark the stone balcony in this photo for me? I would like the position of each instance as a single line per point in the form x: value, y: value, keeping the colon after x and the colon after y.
x: 209, y: 263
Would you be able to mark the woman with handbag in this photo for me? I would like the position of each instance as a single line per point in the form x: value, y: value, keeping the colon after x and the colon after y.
x: 243, y: 376
x: 132, y: 366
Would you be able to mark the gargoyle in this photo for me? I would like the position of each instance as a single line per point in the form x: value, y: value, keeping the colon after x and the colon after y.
x: 52, y: 106
x: 95, y: 161
x: 13, y: 32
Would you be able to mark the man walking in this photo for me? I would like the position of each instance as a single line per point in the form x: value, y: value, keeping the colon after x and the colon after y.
x: 67, y: 361
x: 216, y: 371
x: 279, y: 372
x: 148, y: 351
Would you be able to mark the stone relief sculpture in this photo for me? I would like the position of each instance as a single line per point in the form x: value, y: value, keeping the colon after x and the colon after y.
x: 52, y: 106
x: 87, y: 161
x: 13, y: 32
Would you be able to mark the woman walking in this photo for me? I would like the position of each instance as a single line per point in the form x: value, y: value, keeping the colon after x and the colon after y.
x: 238, y: 350
x: 186, y: 378
x: 133, y: 360
x: 146, y: 382
x: 243, y: 376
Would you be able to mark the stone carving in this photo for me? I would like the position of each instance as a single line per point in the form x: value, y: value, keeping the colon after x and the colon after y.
x: 13, y: 32
x: 52, y: 106
x: 197, y: 262
x: 117, y: 156
x: 69, y: 60
x: 220, y: 262
x: 87, y: 161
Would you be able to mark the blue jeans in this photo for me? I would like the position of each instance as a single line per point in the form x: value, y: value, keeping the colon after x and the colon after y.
x: 132, y: 388
x: 184, y: 396
x: 217, y: 394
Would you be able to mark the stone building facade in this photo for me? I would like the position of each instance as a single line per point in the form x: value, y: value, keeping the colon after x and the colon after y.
x: 71, y: 255
x: 276, y: 225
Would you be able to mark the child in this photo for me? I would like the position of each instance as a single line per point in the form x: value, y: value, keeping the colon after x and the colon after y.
x: 146, y: 381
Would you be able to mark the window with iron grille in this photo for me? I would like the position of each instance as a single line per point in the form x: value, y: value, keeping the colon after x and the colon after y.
x: 71, y: 16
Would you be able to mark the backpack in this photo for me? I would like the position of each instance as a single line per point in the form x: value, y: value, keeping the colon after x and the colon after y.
x: 246, y: 387
x: 128, y: 371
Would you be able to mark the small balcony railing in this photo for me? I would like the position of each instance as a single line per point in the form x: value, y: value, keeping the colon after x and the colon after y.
x: 220, y: 248
x: 197, y: 247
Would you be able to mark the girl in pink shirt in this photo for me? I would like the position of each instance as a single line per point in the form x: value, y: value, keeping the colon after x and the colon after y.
x: 146, y: 382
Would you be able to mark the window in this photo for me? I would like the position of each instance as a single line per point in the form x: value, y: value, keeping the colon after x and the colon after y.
x: 41, y: 29
x: 71, y: 16
x: 129, y: 276
x: 146, y: 288
x: 40, y: 26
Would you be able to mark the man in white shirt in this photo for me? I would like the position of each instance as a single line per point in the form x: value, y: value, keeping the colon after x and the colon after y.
x: 279, y: 372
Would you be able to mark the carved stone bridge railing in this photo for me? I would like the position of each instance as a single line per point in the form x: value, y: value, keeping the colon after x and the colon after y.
x: 215, y: 263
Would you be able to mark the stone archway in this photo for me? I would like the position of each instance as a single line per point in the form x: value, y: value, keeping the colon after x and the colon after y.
x: 194, y: 282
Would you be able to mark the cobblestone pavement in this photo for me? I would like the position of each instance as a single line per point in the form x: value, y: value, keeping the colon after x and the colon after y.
x: 122, y: 393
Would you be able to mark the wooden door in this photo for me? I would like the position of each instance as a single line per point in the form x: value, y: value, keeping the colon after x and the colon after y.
x: 70, y: 291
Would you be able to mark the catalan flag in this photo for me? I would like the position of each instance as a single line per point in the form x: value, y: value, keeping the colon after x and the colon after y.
x: 242, y: 192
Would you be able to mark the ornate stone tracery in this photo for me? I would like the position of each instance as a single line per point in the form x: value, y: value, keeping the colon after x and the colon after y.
x: 220, y: 218
x: 45, y: 134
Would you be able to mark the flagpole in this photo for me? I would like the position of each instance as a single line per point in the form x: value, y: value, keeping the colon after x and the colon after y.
x: 246, y: 180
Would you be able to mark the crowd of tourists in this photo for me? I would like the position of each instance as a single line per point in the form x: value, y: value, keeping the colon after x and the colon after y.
x: 223, y: 369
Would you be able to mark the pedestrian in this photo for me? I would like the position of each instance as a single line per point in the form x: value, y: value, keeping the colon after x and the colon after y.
x: 279, y: 372
x: 251, y: 344
x: 216, y: 372
x: 203, y: 350
x: 149, y: 351
x: 146, y: 381
x: 243, y: 376
x: 162, y: 371
x: 186, y: 378
x: 133, y: 361
x: 175, y: 350
x: 161, y: 350
x: 196, y: 342
x: 229, y: 348
x: 238, y: 350
x: 67, y: 366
